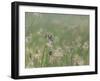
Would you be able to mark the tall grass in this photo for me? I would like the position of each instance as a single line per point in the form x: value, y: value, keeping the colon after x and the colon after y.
x: 70, y: 35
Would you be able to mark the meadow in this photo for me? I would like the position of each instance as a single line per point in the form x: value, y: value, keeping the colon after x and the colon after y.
x: 55, y: 40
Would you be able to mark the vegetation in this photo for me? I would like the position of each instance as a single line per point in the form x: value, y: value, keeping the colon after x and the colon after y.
x: 53, y: 40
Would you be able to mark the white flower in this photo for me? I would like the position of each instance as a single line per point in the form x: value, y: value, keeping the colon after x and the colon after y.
x: 85, y: 46
x: 77, y: 60
x: 58, y: 52
x: 49, y: 44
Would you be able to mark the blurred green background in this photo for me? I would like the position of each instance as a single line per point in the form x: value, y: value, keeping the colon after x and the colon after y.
x: 53, y: 40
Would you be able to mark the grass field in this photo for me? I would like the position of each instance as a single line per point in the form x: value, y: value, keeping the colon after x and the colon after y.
x: 53, y: 40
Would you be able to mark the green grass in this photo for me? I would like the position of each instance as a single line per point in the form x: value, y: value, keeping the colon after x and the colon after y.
x: 70, y: 40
